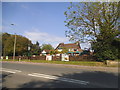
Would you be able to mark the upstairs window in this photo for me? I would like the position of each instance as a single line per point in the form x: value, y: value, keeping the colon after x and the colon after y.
x: 75, y: 49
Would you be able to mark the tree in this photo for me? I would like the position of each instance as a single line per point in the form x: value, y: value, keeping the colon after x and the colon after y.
x: 96, y: 22
x: 35, y: 48
x: 5, y: 36
x: 8, y: 44
x: 22, y: 45
x: 56, y: 52
x: 47, y: 47
x: 90, y: 19
x: 52, y: 52
x: 64, y: 50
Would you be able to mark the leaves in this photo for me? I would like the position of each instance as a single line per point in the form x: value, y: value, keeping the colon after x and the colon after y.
x: 95, y: 21
x: 92, y: 16
x: 47, y: 47
x: 8, y: 44
x: 35, y: 49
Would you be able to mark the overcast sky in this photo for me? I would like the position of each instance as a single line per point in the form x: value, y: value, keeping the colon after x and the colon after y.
x: 38, y: 21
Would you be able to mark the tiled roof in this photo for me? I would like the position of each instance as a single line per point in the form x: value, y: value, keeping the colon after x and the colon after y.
x: 70, y: 45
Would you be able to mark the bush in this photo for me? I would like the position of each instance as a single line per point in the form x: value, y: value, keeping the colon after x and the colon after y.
x: 105, y: 52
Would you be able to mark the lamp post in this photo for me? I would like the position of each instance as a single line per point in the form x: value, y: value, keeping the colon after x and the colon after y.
x: 14, y: 45
x: 29, y: 51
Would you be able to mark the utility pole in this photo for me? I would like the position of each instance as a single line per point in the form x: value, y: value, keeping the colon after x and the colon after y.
x: 29, y: 51
x: 14, y: 45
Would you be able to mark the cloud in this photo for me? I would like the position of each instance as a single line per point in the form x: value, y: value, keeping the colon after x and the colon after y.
x: 44, y: 37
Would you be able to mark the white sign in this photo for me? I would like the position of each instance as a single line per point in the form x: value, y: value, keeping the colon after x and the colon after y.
x: 65, y: 57
x: 48, y: 57
x: 28, y: 48
x: 1, y: 57
x: 6, y: 57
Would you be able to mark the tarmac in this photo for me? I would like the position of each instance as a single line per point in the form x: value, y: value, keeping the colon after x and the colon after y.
x: 90, y: 68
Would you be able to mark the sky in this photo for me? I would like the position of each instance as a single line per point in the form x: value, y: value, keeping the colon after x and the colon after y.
x: 38, y: 21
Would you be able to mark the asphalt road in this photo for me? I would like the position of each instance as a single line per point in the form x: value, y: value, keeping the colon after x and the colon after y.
x: 23, y: 75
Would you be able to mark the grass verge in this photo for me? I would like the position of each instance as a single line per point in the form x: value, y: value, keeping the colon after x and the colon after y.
x: 83, y: 63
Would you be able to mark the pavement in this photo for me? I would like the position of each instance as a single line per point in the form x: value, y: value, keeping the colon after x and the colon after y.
x: 41, y: 75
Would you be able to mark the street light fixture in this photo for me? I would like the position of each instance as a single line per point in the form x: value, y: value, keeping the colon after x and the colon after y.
x: 14, y: 46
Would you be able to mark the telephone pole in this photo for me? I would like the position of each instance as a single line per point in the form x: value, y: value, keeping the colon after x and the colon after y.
x: 14, y: 46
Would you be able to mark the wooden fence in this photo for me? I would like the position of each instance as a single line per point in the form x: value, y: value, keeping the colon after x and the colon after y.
x: 56, y: 58
x: 38, y: 58
x: 82, y: 58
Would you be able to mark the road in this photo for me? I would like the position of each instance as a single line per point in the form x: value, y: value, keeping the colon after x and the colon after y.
x: 29, y: 75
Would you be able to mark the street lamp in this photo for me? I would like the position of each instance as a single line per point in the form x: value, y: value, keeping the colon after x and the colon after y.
x: 28, y: 51
x: 14, y: 46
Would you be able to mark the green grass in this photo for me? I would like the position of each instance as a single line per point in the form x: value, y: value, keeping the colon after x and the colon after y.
x: 84, y: 63
x: 117, y: 60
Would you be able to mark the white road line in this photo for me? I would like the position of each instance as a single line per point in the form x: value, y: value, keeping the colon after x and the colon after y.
x: 59, y: 78
x: 8, y: 71
x: 11, y: 70
x: 17, y: 70
x: 48, y: 77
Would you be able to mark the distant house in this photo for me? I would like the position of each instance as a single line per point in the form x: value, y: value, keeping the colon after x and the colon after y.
x: 45, y: 52
x: 73, y: 48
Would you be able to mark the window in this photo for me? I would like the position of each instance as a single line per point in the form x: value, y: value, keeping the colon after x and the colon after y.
x: 75, y: 49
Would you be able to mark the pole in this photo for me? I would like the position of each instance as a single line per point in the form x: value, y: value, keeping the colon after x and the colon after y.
x: 29, y: 51
x: 14, y: 47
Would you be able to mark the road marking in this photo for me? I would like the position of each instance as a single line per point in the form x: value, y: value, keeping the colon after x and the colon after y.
x: 12, y: 70
x: 59, y: 78
x: 9, y: 70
